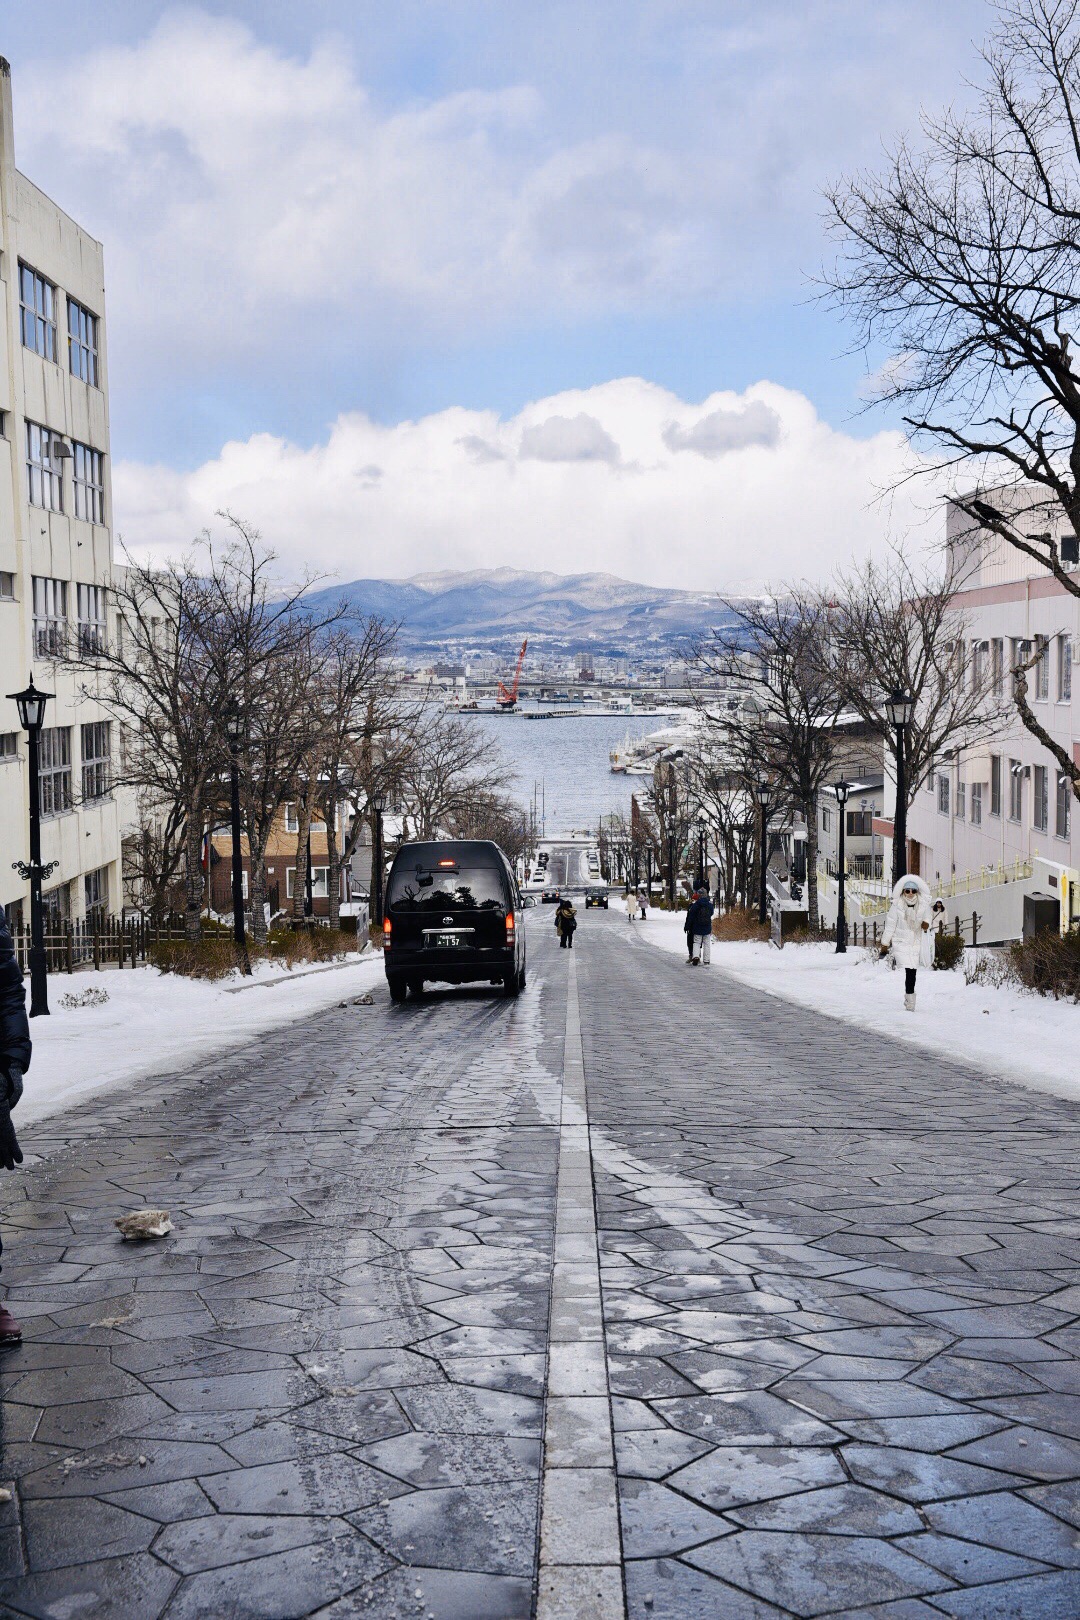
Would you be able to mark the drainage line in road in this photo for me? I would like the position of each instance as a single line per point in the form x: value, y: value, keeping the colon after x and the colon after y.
x: 580, y: 1544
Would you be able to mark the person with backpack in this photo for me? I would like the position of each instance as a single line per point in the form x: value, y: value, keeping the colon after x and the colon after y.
x: 698, y: 927
x: 565, y: 923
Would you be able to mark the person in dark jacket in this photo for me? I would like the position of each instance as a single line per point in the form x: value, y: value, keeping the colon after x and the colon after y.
x: 14, y: 1062
x: 565, y: 923
x: 698, y: 928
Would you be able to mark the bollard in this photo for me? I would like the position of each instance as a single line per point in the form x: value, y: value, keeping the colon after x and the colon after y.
x: 974, y: 928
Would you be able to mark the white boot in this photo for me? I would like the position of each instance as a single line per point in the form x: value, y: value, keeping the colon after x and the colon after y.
x: 909, y: 1002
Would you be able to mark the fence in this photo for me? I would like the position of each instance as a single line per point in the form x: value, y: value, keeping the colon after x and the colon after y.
x: 97, y: 942
x: 866, y: 933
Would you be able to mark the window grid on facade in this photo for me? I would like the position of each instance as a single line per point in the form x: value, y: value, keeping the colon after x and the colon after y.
x: 943, y: 794
x: 997, y: 664
x: 82, y: 343
x: 860, y: 823
x: 1062, y: 805
x: 96, y: 780
x: 1016, y: 790
x: 96, y: 894
x: 9, y: 745
x: 1040, y: 808
x: 995, y: 784
x: 1064, y: 684
x: 44, y: 480
x: 54, y: 768
x: 91, y: 602
x: 319, y: 882
x: 976, y: 804
x: 56, y: 905
x: 961, y: 796
x: 1042, y: 669
x: 37, y: 313
x: 7, y: 586
x: 89, y: 484
x: 50, y: 617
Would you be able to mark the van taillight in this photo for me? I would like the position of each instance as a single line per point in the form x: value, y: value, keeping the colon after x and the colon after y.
x: 509, y: 925
x: 386, y: 932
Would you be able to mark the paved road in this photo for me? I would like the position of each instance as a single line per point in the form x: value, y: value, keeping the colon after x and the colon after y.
x: 835, y: 1370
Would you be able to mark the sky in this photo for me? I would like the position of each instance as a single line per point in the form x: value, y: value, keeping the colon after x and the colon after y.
x: 475, y: 282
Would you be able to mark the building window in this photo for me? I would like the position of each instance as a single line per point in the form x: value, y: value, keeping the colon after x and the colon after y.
x: 91, y: 601
x: 44, y: 478
x: 943, y: 794
x: 50, y: 617
x: 860, y: 823
x: 825, y: 820
x: 82, y: 343
x: 56, y: 905
x: 1062, y: 805
x: 89, y: 484
x: 37, y: 312
x: 96, y: 776
x: 1064, y: 680
x: 54, y: 761
x: 1016, y: 790
x: 1042, y: 669
x: 1040, y: 809
x: 976, y: 804
x: 7, y: 586
x: 997, y: 665
x: 319, y: 882
x: 96, y: 894
x: 291, y: 823
x: 9, y: 745
x: 995, y: 784
x: 1070, y: 550
x: 961, y: 795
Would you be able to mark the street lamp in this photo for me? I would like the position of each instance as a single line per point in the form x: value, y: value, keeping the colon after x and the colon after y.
x: 899, y: 710
x: 31, y: 706
x: 841, y: 789
x: 378, y: 805
x: 234, y: 736
x: 762, y: 788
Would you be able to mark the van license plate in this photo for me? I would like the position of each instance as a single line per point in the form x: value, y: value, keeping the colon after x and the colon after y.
x: 446, y: 939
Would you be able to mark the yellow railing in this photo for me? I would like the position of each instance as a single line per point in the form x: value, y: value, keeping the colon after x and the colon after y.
x: 988, y: 877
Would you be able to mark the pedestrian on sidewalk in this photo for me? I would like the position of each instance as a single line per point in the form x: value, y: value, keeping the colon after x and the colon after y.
x: 907, y: 932
x: 938, y: 927
x: 565, y: 923
x: 643, y: 901
x: 699, y: 928
x: 631, y: 905
x: 14, y: 1061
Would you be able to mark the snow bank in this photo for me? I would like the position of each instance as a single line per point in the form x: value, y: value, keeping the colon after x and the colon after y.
x: 155, y: 1022
x: 1007, y: 1032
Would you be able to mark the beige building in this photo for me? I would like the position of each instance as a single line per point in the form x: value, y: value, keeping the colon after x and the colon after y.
x: 55, y: 541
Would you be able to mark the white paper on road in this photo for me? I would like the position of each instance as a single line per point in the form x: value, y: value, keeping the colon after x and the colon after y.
x: 1005, y: 1033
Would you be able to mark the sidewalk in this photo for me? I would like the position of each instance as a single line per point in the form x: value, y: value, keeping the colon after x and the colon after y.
x: 1008, y: 1032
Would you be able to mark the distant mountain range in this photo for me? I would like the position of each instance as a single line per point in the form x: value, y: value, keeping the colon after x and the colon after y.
x: 493, y: 608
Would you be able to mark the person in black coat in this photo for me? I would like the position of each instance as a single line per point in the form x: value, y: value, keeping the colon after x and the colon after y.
x: 14, y: 1062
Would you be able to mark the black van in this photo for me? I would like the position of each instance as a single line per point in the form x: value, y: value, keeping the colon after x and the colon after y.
x: 453, y: 913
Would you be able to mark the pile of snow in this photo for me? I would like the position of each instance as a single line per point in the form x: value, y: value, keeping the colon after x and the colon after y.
x: 157, y: 1022
x: 1005, y: 1031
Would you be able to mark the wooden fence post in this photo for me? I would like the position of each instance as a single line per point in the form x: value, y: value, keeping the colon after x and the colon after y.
x: 69, y: 953
x: 974, y: 928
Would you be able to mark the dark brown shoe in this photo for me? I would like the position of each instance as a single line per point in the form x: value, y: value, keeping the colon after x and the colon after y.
x: 10, y: 1331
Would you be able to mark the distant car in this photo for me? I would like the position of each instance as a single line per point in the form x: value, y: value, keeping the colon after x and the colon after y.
x: 550, y: 897
x: 596, y: 897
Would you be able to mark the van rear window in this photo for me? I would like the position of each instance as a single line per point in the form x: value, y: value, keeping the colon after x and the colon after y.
x: 432, y: 888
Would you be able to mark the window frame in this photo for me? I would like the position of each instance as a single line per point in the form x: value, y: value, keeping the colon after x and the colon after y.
x: 1042, y: 669
x: 1063, y: 806
x: 40, y: 317
x: 997, y: 785
x: 50, y: 622
x: 1064, y: 680
x: 83, y: 342
x: 976, y: 804
x: 944, y: 797
x: 1016, y: 792
x: 96, y: 760
x: 41, y: 478
x: 92, y: 628
x: 1040, y: 799
x: 55, y: 787
x: 96, y: 905
x: 88, y: 477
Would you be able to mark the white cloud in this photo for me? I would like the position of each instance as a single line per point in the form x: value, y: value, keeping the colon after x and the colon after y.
x: 568, y: 438
x: 794, y: 507
x: 722, y: 431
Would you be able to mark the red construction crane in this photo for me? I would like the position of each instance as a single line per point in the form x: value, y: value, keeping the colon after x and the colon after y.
x: 507, y: 697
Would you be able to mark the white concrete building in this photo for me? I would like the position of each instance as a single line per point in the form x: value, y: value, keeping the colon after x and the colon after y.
x: 1003, y: 801
x: 55, y: 541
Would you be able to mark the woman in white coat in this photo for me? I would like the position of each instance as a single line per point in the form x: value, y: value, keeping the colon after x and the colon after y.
x: 907, y: 931
x: 631, y: 905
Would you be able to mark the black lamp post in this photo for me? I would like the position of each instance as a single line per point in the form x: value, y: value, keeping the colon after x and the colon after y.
x: 378, y: 804
x: 234, y: 736
x: 899, y: 710
x: 762, y: 786
x: 841, y: 789
x: 31, y: 706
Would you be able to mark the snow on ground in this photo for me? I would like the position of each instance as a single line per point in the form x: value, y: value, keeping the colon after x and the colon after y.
x: 154, y: 1022
x: 1005, y: 1031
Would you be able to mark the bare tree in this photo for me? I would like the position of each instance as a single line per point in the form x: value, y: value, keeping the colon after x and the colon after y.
x: 894, y: 630
x: 963, y: 256
x: 788, y: 733
x: 448, y: 761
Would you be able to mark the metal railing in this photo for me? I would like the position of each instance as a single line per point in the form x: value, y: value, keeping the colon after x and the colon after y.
x: 97, y: 941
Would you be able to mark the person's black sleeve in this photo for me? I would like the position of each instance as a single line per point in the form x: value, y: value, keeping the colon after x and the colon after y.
x: 14, y: 1026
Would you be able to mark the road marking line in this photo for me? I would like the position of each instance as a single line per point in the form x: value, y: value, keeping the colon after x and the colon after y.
x: 580, y: 1543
